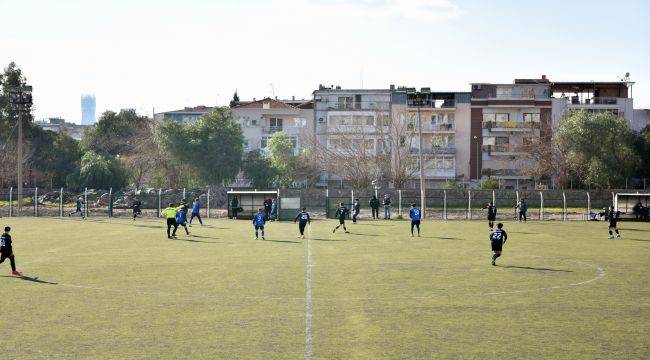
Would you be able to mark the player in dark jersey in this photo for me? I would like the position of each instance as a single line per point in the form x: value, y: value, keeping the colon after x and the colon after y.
x: 498, y: 238
x: 259, y: 219
x: 303, y: 219
x: 341, y: 212
x: 136, y: 208
x: 613, y: 219
x: 416, y: 215
x: 78, y: 209
x: 491, y: 215
x: 7, y: 252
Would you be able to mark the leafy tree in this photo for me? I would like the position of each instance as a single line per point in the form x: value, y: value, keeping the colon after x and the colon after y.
x: 55, y: 155
x: 98, y: 171
x: 642, y: 145
x: 599, y: 148
x: 258, y: 169
x: 212, y: 147
x: 235, y: 99
x: 487, y: 184
x: 282, y: 157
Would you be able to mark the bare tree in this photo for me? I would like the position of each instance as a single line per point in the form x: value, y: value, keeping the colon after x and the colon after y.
x: 544, y: 158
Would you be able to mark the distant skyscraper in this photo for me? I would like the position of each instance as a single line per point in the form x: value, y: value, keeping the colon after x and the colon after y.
x: 87, y: 109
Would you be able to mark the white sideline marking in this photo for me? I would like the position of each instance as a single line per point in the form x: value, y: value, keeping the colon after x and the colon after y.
x: 308, y: 304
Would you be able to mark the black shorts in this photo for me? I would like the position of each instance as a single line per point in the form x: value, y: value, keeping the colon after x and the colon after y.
x: 171, y: 222
x: 612, y: 224
x: 497, y: 246
x: 137, y: 211
x: 415, y: 222
x: 6, y: 252
x: 259, y: 227
x: 492, y: 218
x: 341, y: 221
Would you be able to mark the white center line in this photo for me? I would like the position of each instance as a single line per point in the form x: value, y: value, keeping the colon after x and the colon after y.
x: 308, y: 305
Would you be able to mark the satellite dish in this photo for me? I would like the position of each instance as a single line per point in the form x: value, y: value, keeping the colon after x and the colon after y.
x: 627, y: 75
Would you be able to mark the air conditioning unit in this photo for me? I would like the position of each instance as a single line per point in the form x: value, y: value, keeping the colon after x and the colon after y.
x: 476, y: 87
x: 321, y: 120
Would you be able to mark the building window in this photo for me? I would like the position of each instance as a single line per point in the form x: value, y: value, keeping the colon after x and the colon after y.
x: 489, y: 117
x: 357, y: 102
x: 502, y: 117
x: 245, y: 144
x: 275, y: 124
x: 300, y: 122
x: 345, y: 103
x: 358, y: 120
x: 253, y: 122
x: 531, y: 117
x: 264, y: 142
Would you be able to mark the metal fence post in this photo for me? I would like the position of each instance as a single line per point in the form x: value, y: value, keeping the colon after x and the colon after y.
x: 110, y: 202
x: 208, y: 205
x: 159, y: 202
x: 517, y: 193
x: 61, y: 203
x: 85, y: 202
x: 541, y: 206
x: 564, y: 212
x: 183, y: 194
x: 469, y: 204
x: 444, y: 205
x: 588, y: 206
x: 494, y: 198
x: 36, y: 201
x: 399, y: 205
x: 11, y: 201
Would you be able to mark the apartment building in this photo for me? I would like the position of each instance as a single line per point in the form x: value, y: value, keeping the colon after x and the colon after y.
x: 593, y: 97
x: 260, y: 119
x: 503, y: 118
x: 445, y: 133
x: 187, y: 115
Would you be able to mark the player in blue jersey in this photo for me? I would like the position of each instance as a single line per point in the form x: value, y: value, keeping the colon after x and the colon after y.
x: 416, y: 215
x: 259, y: 219
x: 498, y: 238
x: 196, y: 209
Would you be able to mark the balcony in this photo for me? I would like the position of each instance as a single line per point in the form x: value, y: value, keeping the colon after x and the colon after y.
x: 510, y: 125
x: 357, y: 106
x: 504, y: 173
x: 444, y: 127
x: 575, y: 100
x: 500, y: 150
x: 271, y: 129
x: 435, y: 150
x: 434, y: 104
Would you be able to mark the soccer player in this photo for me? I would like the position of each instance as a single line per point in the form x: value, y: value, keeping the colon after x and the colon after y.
x: 303, y: 219
x: 6, y: 251
x: 181, y: 218
x: 341, y: 212
x: 374, y: 206
x: 136, y: 208
x: 234, y: 207
x: 523, y: 207
x: 170, y: 214
x: 355, y: 208
x: 274, y: 210
x: 259, y: 220
x: 498, y: 238
x: 415, y: 214
x: 491, y: 215
x: 613, y: 218
x: 196, y: 208
x: 80, y: 202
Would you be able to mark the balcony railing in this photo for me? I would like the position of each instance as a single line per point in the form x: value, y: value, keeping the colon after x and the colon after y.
x: 439, y: 127
x: 272, y: 129
x: 436, y: 104
x: 435, y: 150
x: 352, y: 106
x: 501, y: 148
x: 511, y: 125
x: 575, y: 100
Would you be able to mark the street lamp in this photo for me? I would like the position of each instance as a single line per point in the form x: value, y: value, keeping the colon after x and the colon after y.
x: 477, y: 155
x: 20, y: 98
x: 418, y: 103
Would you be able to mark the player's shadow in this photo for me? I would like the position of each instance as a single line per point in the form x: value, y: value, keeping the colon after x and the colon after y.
x: 522, y: 232
x: 328, y: 240
x: 31, y: 279
x: 205, y: 237
x: 369, y: 224
x: 360, y: 234
x: 195, y: 241
x: 633, y: 239
x: 284, y: 241
x: 633, y: 230
x: 533, y: 268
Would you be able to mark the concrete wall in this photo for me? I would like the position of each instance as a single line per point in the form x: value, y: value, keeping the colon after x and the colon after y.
x: 463, y: 139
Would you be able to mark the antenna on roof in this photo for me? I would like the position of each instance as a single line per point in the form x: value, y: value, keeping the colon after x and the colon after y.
x: 272, y: 89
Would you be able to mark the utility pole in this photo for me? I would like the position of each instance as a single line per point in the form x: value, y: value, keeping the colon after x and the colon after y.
x: 21, y: 100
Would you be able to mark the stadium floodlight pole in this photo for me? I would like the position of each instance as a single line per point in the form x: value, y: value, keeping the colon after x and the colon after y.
x: 478, y: 177
x: 418, y: 104
x: 21, y: 100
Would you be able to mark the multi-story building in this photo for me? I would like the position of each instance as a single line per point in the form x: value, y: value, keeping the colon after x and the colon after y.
x: 593, y: 97
x: 75, y: 131
x: 503, y: 118
x: 88, y: 105
x: 260, y: 119
x: 445, y: 133
x: 188, y: 115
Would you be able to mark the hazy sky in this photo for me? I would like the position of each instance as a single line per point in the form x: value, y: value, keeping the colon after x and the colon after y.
x: 169, y: 54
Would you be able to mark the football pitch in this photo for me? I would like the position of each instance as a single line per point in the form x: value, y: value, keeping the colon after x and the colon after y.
x: 120, y: 289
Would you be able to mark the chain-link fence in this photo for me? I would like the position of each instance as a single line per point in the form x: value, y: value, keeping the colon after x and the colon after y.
x: 448, y: 204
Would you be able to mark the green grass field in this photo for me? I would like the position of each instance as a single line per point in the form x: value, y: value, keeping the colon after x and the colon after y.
x: 120, y: 290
